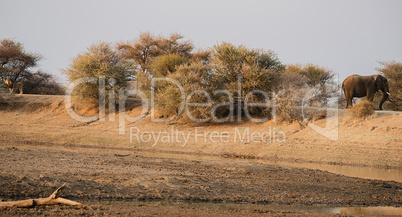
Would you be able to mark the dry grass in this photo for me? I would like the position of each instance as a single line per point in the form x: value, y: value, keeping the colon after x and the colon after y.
x: 362, y: 110
x: 286, y: 111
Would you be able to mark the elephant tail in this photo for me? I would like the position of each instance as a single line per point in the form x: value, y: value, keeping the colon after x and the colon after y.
x: 343, y: 86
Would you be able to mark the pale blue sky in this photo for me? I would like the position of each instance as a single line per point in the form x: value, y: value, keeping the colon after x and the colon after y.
x: 347, y: 36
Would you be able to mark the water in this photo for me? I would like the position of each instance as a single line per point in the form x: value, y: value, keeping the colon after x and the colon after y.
x: 353, y: 171
x: 372, y: 211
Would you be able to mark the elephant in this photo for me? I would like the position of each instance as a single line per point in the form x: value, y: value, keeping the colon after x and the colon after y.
x: 360, y: 86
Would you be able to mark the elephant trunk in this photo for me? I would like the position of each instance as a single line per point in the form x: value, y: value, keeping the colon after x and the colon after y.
x: 384, y: 97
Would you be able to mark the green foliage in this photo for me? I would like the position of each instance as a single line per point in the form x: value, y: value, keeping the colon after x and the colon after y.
x: 100, y: 60
x: 144, y: 50
x: 166, y: 64
x: 393, y: 72
x: 221, y: 68
x: 191, y: 78
x: 158, y: 56
x: 257, y: 70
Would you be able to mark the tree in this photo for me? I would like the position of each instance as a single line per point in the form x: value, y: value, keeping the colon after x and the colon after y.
x: 100, y: 60
x: 172, y: 45
x: 303, y: 85
x: 15, y: 62
x: 165, y: 64
x: 315, y: 77
x: 208, y: 71
x: 202, y: 56
x: 191, y: 77
x: 42, y: 83
x: 393, y: 72
x: 144, y: 50
x: 257, y: 69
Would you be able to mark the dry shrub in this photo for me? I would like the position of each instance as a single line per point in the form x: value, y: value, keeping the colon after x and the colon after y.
x: 288, y: 109
x: 289, y: 97
x: 86, y: 108
x: 319, y: 79
x: 168, y: 97
x: 217, y: 73
x: 100, y: 61
x: 393, y: 72
x: 257, y: 70
x: 362, y: 110
x: 42, y: 83
x: 301, y: 87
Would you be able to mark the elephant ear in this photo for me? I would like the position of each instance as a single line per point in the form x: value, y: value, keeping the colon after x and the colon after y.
x: 379, y: 82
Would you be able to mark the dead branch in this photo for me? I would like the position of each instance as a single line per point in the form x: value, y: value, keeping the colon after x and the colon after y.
x: 53, y: 199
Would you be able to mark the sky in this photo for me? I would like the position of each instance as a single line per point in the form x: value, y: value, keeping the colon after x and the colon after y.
x: 345, y: 36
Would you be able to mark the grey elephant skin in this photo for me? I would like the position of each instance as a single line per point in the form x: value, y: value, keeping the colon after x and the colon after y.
x: 361, y: 86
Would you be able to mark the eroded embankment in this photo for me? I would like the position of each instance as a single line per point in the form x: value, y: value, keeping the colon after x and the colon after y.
x: 375, y: 142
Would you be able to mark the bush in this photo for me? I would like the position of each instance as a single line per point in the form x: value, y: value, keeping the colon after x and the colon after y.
x: 42, y: 83
x: 362, y: 110
x: 393, y: 72
x: 101, y: 60
x: 167, y: 64
x: 257, y: 70
x: 318, y: 79
x: 15, y: 62
x: 168, y: 96
x: 303, y: 86
x: 147, y: 47
x: 290, y: 92
x: 220, y: 69
x: 227, y: 65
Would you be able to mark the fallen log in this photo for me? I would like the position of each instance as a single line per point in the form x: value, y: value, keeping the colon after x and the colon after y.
x: 53, y: 199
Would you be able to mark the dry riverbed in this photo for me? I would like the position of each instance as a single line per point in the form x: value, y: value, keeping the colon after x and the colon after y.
x: 35, y: 171
x: 113, y: 174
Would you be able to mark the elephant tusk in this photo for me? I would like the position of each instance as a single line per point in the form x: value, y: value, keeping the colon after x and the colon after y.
x: 388, y: 93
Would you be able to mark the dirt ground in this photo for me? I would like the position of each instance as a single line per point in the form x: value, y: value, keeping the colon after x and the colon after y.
x: 99, y: 164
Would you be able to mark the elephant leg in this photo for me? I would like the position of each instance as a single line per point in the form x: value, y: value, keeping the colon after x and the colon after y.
x: 370, y: 95
x: 348, y: 99
x: 384, y: 97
